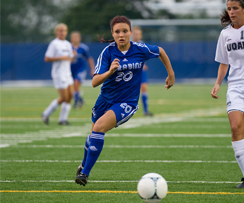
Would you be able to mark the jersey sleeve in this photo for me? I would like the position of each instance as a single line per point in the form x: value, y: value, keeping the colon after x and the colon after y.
x: 151, y: 51
x: 50, y: 53
x: 71, y: 54
x: 103, y: 62
x: 221, y: 55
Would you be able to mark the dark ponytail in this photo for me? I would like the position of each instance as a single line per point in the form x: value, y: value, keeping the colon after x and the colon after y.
x: 115, y: 20
x: 102, y: 40
x: 225, y: 18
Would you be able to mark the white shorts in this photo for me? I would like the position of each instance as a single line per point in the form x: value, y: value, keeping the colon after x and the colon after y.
x: 63, y: 82
x: 235, y: 99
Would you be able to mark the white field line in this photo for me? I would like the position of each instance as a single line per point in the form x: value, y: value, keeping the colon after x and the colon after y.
x: 200, y: 127
x: 69, y: 131
x: 65, y: 131
x: 130, y: 146
x: 173, y: 117
x: 113, y: 181
x: 4, y: 145
x: 88, y: 120
x: 118, y: 161
x: 22, y: 119
x: 210, y: 120
x: 169, y: 135
x: 39, y: 119
x: 179, y: 126
x: 66, y: 134
x: 7, y: 140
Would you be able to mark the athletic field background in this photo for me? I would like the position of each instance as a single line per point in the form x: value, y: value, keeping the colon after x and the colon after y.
x: 187, y: 141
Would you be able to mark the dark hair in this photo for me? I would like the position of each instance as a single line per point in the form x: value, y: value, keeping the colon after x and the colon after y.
x: 225, y: 18
x: 119, y: 19
x: 115, y: 20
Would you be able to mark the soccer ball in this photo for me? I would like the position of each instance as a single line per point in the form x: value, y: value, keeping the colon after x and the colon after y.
x: 152, y: 188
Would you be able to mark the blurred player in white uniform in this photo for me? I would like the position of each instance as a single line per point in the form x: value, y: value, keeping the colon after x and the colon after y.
x: 137, y: 37
x: 230, y: 51
x: 60, y: 53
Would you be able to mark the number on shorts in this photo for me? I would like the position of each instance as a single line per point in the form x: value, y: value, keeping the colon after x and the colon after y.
x: 126, y: 77
x: 126, y: 107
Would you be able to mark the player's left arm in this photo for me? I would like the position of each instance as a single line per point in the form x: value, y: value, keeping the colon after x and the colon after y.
x: 72, y: 53
x: 170, y: 80
x: 145, y: 67
x: 91, y: 63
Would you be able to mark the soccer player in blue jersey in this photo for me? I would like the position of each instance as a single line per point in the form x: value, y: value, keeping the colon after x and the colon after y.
x: 78, y: 66
x: 119, y: 69
x: 137, y: 37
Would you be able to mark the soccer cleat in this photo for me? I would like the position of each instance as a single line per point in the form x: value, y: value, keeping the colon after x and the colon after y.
x: 241, y: 185
x: 80, y: 167
x: 80, y: 102
x: 81, y: 179
x: 45, y: 119
x: 75, y: 106
x: 148, y: 114
x: 63, y: 123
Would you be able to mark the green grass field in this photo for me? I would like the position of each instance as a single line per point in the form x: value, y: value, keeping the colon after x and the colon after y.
x: 187, y: 141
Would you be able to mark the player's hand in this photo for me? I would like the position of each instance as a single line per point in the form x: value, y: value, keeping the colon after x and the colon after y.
x: 145, y: 67
x: 114, y: 66
x: 170, y: 80
x: 65, y: 58
x: 215, y: 91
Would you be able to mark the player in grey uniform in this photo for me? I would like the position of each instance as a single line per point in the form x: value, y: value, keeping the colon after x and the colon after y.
x: 230, y: 52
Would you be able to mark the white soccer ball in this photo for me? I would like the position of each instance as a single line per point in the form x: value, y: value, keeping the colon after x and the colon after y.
x: 152, y: 188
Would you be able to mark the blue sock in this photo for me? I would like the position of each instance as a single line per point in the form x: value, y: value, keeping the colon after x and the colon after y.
x: 86, y: 150
x: 144, y: 99
x: 94, y: 150
x: 76, y: 97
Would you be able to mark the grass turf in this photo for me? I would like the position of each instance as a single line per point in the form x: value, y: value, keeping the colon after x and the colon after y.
x: 59, y: 152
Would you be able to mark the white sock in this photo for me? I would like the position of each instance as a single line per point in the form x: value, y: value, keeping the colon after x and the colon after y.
x: 238, y: 147
x: 51, y: 108
x: 65, y: 108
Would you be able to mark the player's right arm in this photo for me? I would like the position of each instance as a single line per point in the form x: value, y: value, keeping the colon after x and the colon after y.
x: 98, y: 79
x: 223, y: 69
x: 221, y: 57
x: 91, y: 63
x: 61, y: 58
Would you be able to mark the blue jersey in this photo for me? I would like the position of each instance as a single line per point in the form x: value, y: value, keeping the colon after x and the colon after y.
x: 124, y: 84
x: 79, y: 64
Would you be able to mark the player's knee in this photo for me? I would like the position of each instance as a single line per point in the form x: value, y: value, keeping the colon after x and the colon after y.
x: 98, y: 127
x: 236, y: 130
x: 60, y: 100
x: 68, y: 99
x: 143, y: 89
